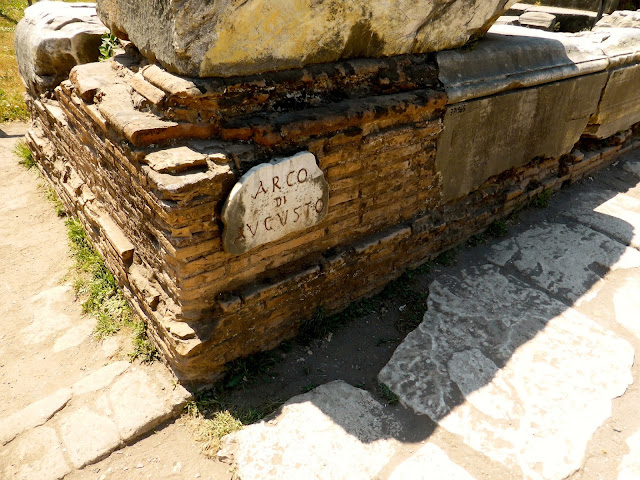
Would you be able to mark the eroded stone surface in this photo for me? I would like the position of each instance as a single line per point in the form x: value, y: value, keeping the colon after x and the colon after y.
x: 620, y: 19
x: 626, y: 303
x: 618, y: 108
x: 272, y: 200
x: 510, y: 370
x: 88, y: 436
x: 100, y: 378
x: 36, y: 455
x: 52, y: 38
x: 630, y: 466
x: 478, y: 138
x: 430, y: 463
x: 570, y: 262
x: 333, y: 432
x: 139, y: 403
x: 607, y: 211
x: 224, y: 39
x: 510, y: 58
x: 33, y: 415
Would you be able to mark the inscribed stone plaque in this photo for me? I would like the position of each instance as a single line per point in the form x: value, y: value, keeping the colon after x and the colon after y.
x: 272, y: 200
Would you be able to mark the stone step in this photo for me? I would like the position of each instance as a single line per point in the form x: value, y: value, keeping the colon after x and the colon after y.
x: 80, y: 425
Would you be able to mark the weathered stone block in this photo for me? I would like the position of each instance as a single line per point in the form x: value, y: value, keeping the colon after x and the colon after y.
x: 480, y: 136
x: 593, y: 5
x: 619, y: 107
x: 222, y: 39
x: 52, y: 38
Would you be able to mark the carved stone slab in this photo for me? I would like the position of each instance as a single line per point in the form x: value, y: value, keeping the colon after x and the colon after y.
x: 273, y: 200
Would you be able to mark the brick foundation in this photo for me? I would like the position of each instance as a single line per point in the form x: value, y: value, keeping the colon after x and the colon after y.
x: 146, y: 161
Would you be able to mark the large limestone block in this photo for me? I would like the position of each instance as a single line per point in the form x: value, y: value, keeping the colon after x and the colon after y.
x: 620, y: 19
x: 482, y: 138
x: 52, y: 38
x: 619, y: 106
x: 512, y: 57
x: 593, y: 5
x: 197, y: 38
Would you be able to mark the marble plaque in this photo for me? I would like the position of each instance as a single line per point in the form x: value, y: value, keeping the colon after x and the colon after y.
x: 273, y: 200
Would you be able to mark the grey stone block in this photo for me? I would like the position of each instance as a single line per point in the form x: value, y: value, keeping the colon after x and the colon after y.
x: 52, y: 38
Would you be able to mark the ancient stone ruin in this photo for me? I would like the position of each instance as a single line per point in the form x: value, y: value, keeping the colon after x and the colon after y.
x: 239, y: 180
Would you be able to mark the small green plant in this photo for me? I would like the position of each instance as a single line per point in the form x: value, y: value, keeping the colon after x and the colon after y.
x: 541, y: 200
x: 245, y: 371
x: 211, y: 416
x: 52, y: 196
x: 389, y: 397
x: 24, y: 153
x: 108, y: 46
x: 309, y: 386
x: 477, y: 239
x: 447, y: 258
x: 498, y: 229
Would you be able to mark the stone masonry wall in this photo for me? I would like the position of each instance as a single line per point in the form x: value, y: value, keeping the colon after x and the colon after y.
x: 147, y: 159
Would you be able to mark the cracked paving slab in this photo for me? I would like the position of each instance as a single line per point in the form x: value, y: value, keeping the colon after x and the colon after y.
x: 519, y: 376
x: 569, y: 262
x: 617, y: 214
x: 334, y: 432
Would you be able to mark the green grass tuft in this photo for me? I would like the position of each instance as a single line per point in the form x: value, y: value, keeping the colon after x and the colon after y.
x: 103, y: 298
x: 52, y: 197
x: 498, y: 229
x: 541, y: 200
x: 22, y: 151
x: 211, y: 416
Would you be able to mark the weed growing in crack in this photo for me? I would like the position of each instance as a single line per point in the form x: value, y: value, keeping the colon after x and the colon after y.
x: 541, y: 200
x: 24, y: 153
x: 102, y: 296
x: 498, y: 229
x: 51, y: 195
x: 387, y: 395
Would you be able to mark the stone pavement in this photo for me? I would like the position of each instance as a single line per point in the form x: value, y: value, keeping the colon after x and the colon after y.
x: 523, y: 364
x: 68, y: 401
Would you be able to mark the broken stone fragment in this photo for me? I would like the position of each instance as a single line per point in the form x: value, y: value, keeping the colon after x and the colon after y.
x: 52, y: 38
x: 222, y: 39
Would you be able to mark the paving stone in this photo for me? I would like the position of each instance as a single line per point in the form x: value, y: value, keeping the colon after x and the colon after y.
x: 517, y: 375
x: 33, y: 415
x: 74, y: 336
x: 333, y: 432
x: 37, y: 455
x: 88, y: 436
x: 606, y: 211
x: 49, y: 315
x: 570, y: 261
x: 139, y: 404
x: 633, y: 166
x: 430, y: 463
x: 626, y: 302
x: 100, y: 379
x: 630, y: 466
